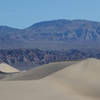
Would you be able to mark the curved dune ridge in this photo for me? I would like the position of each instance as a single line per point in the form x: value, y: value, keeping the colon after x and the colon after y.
x: 7, y: 68
x: 41, y: 71
x: 75, y: 81
x: 83, y: 77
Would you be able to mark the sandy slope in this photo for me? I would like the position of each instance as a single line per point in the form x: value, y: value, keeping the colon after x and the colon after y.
x: 41, y: 71
x: 79, y: 81
x: 7, y: 68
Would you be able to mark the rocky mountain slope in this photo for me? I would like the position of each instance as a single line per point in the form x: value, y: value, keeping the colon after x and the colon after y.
x: 29, y: 58
x: 50, y: 33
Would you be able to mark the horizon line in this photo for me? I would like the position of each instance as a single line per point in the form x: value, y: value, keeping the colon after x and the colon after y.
x: 43, y: 21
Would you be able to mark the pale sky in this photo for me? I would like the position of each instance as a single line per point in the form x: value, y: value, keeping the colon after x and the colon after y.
x: 23, y: 13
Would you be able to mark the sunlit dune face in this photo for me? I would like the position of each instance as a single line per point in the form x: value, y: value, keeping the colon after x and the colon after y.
x: 83, y: 77
x: 7, y: 68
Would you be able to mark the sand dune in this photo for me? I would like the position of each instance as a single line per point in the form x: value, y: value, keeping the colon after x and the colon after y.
x: 78, y: 81
x: 83, y: 77
x: 41, y: 71
x: 7, y: 68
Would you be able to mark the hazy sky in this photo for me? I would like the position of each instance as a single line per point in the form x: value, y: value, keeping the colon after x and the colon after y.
x: 23, y: 13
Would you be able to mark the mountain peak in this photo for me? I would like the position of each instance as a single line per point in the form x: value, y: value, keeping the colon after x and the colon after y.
x: 52, y: 22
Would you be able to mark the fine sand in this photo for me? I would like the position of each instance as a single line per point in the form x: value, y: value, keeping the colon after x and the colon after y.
x: 78, y: 81
x: 41, y: 71
x: 7, y: 68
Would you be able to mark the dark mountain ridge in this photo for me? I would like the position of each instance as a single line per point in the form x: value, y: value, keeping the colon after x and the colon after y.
x: 29, y: 58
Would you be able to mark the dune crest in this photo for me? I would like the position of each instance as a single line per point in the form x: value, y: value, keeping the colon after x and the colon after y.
x: 7, y: 68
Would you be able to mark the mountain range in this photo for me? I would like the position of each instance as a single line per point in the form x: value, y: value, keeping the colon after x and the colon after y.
x: 55, y: 34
